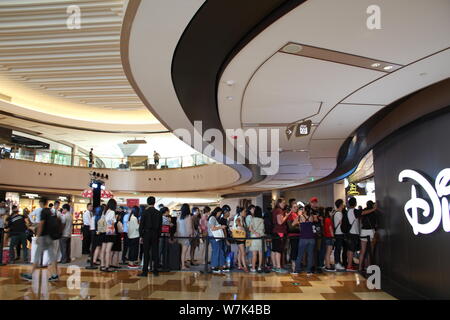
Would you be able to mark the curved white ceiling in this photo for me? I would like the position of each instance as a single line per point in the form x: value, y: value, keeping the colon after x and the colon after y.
x: 273, y: 89
x: 155, y: 31
x: 67, y: 74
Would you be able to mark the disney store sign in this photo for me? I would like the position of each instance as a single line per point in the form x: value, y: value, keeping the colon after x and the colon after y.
x: 437, y: 194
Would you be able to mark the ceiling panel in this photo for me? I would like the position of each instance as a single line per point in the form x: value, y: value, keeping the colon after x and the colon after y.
x: 325, y: 148
x: 343, y: 120
x: 41, y: 58
x: 323, y: 163
x: 294, y: 158
x: 288, y: 88
x: 404, y: 81
x: 294, y: 169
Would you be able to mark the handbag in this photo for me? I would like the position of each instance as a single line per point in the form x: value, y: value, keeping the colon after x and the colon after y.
x: 237, y: 233
x: 218, y: 233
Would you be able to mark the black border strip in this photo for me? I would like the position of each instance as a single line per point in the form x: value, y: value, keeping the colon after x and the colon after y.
x: 213, y: 37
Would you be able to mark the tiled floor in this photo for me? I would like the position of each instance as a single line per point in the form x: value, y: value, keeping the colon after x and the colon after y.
x: 79, y: 284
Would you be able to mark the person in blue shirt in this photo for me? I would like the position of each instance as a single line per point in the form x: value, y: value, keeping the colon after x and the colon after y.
x: 97, y: 238
x: 126, y: 240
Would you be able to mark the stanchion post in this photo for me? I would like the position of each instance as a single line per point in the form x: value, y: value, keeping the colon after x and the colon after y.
x: 2, y: 232
x: 91, y: 265
x: 369, y: 248
x: 264, y: 252
x: 206, y: 254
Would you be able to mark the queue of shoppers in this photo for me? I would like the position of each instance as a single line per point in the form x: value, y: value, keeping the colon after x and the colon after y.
x: 291, y: 237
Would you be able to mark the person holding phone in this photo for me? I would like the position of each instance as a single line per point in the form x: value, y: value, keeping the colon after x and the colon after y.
x: 280, y: 230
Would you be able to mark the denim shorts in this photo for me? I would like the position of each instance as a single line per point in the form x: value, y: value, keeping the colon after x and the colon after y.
x: 328, y: 242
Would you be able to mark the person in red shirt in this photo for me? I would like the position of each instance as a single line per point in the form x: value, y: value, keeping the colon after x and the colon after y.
x: 293, y: 233
x: 328, y: 237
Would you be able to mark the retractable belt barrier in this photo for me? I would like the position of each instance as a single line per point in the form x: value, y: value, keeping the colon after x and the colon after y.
x: 271, y: 237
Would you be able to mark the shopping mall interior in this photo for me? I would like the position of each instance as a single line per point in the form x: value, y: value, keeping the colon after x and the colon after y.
x: 255, y: 119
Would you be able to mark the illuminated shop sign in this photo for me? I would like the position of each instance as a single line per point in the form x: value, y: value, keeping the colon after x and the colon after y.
x: 437, y: 194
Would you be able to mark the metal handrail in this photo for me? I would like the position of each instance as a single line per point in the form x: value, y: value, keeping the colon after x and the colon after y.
x: 120, y: 163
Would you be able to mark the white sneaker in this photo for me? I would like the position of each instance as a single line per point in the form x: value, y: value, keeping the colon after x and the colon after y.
x: 339, y: 267
x: 253, y: 270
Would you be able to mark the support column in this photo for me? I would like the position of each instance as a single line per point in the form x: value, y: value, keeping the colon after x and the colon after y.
x: 275, y: 195
x: 74, y: 152
x: 259, y: 201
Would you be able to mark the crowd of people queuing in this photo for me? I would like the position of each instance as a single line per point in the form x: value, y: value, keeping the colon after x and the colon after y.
x: 291, y: 237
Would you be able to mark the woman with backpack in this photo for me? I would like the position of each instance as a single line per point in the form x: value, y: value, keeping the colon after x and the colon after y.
x: 106, y: 226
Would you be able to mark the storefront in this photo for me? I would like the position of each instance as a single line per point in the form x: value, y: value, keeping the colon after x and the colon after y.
x: 361, y: 184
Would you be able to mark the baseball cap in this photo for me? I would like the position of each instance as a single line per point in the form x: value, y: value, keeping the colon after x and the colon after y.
x: 313, y: 199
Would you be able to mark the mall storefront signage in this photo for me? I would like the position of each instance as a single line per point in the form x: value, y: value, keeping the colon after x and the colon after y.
x: 412, y: 174
x: 417, y: 206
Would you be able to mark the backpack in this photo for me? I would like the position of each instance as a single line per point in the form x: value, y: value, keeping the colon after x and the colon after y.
x: 55, y: 226
x: 345, y: 224
x: 101, y: 224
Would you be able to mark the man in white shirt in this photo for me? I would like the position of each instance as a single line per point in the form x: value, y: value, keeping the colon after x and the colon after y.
x: 87, y: 216
x: 353, y: 236
x: 64, y: 242
x: 338, y: 234
x: 56, y: 207
x: 35, y: 216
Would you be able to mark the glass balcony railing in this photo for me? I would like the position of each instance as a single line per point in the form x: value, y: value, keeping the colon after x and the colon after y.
x: 135, y: 162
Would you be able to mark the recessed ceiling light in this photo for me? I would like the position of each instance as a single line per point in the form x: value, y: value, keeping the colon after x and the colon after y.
x: 375, y: 65
x: 230, y: 82
x: 292, y: 48
x: 230, y: 98
x: 388, y: 67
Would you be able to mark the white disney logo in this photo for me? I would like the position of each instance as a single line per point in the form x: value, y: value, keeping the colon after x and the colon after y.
x: 437, y: 195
